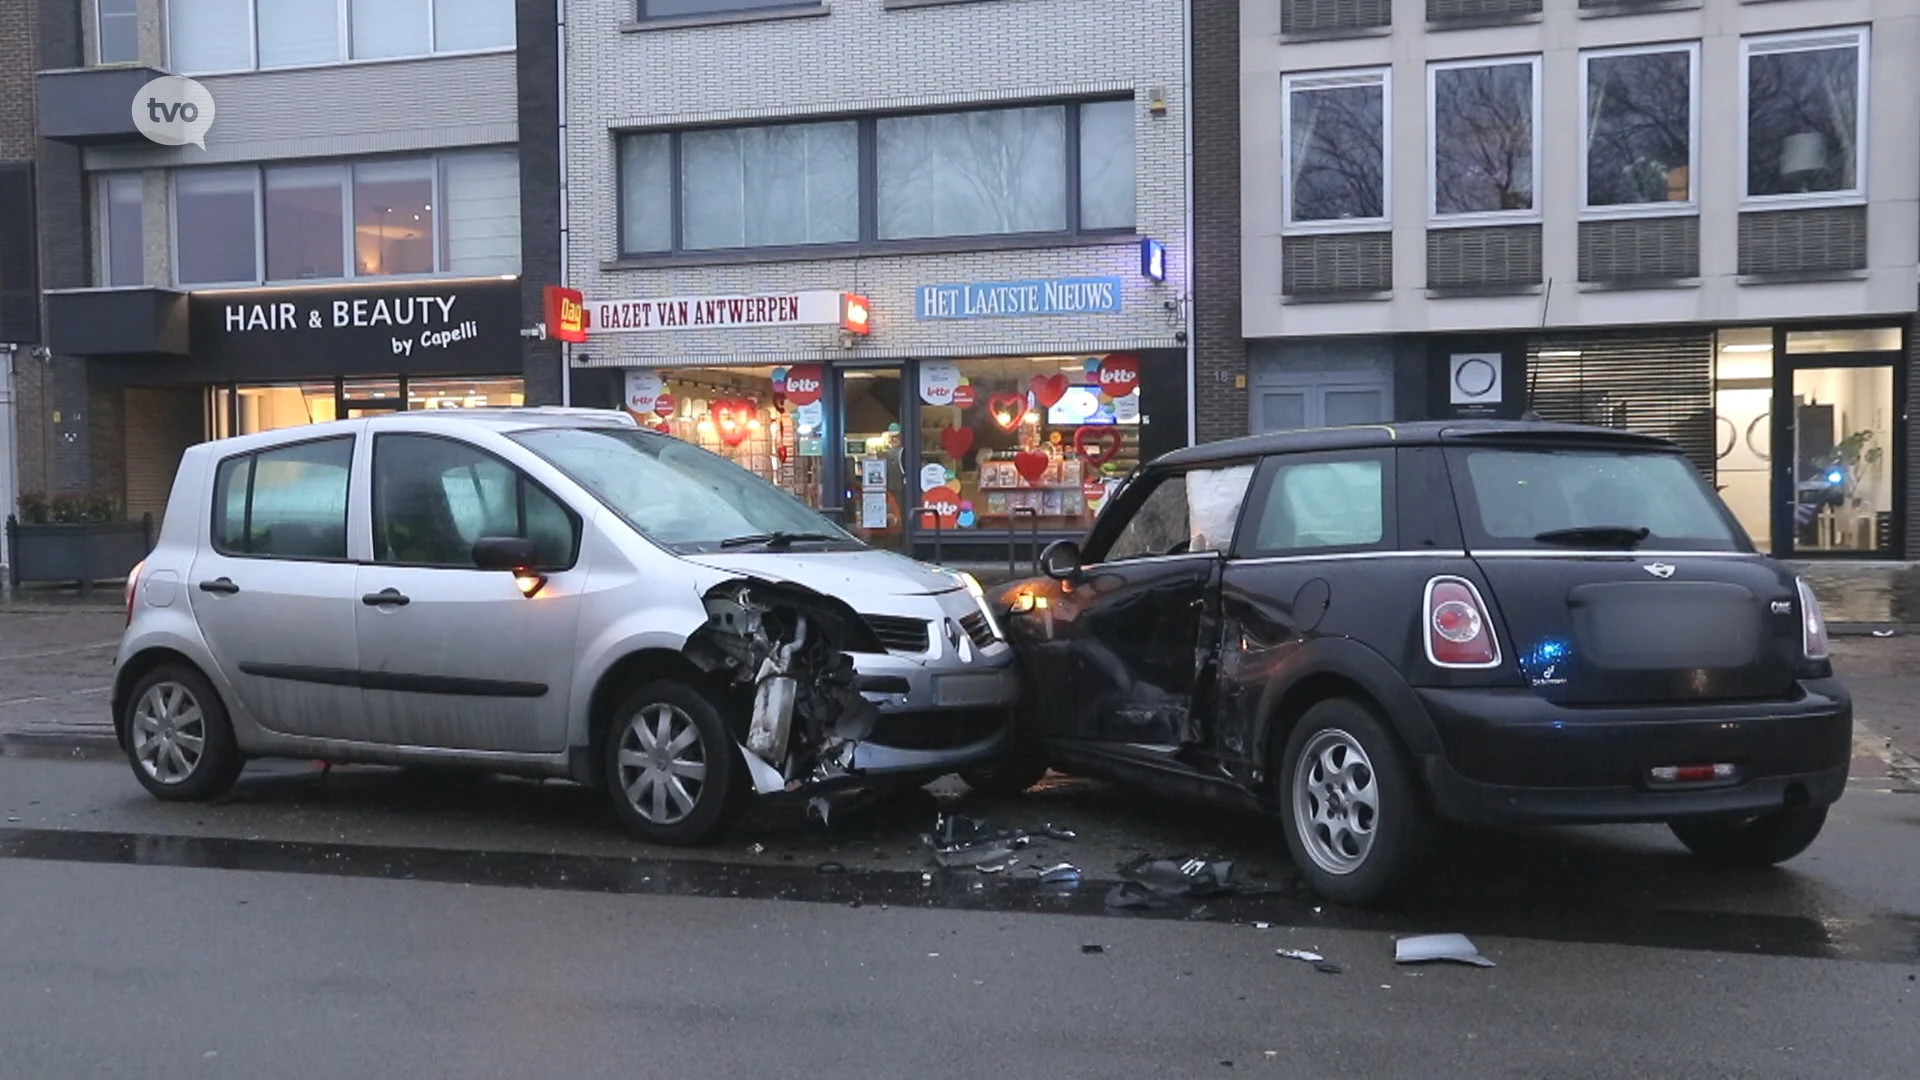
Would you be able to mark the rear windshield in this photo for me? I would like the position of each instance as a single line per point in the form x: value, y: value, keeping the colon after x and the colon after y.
x: 1576, y: 500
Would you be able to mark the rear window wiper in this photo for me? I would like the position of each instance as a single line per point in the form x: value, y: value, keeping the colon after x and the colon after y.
x: 773, y: 539
x: 1620, y: 536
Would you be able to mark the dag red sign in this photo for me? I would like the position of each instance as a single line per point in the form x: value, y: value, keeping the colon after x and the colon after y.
x: 963, y: 396
x: 1119, y: 374
x: 804, y: 383
x: 663, y: 405
x: 945, y: 502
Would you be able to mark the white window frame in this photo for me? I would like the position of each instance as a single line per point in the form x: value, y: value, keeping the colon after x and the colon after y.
x: 1437, y: 220
x: 346, y: 44
x: 1326, y: 80
x: 99, y: 21
x: 1691, y: 205
x: 1861, y: 38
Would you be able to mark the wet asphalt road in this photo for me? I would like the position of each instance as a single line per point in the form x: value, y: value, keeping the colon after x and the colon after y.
x: 373, y: 922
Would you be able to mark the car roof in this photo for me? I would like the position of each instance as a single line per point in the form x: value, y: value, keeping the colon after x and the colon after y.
x: 502, y: 420
x: 1414, y: 433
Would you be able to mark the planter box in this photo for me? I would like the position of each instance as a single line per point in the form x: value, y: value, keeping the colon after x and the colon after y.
x: 82, y: 554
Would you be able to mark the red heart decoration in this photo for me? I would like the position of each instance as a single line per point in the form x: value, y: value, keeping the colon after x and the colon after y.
x: 1049, y: 389
x: 1008, y: 410
x: 956, y: 441
x: 1098, y: 445
x: 1031, y: 465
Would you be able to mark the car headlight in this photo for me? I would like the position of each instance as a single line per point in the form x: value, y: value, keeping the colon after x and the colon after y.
x: 980, y: 601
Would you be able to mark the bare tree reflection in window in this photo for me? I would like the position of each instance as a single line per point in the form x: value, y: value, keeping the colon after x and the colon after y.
x: 1483, y: 138
x: 1336, y: 150
x: 1803, y: 121
x: 974, y: 173
x: 1639, y: 128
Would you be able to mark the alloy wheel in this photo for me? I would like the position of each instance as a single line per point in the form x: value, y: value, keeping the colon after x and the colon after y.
x: 169, y: 733
x: 663, y: 763
x: 1336, y: 801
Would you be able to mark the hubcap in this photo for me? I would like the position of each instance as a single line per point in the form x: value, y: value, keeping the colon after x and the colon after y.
x: 663, y: 764
x: 1336, y: 802
x: 169, y: 733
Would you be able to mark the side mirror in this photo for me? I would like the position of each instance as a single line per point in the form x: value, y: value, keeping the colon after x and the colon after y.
x: 1061, y: 560
x: 503, y: 553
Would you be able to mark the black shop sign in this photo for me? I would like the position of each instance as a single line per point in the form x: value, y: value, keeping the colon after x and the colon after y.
x: 424, y: 327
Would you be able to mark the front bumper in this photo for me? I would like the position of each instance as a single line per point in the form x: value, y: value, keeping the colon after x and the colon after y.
x: 1510, y: 757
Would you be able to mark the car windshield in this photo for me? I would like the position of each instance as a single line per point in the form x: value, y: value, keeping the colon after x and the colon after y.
x: 682, y: 497
x: 1588, y: 500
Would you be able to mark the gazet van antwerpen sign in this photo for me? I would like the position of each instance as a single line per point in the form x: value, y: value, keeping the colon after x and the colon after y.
x: 1009, y: 299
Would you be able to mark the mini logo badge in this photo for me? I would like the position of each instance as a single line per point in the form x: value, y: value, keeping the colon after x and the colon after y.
x: 1660, y: 570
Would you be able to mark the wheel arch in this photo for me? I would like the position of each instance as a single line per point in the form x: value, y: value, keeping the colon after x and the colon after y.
x: 137, y: 667
x: 1340, y: 667
x: 621, y: 678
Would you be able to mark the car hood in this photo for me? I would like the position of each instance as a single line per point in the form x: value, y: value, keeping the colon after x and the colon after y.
x: 848, y: 575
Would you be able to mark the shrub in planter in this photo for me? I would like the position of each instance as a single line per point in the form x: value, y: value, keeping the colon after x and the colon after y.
x: 74, y: 538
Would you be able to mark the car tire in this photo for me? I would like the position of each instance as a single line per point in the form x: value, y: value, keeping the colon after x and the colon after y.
x: 673, y: 771
x: 178, y: 737
x: 1355, y: 824
x: 1016, y: 770
x: 1752, y: 843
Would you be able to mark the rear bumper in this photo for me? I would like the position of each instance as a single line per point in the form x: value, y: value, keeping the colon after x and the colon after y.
x: 1511, y: 757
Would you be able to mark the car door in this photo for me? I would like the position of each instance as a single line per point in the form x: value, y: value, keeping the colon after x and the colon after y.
x: 272, y: 585
x: 452, y: 656
x: 1138, y: 626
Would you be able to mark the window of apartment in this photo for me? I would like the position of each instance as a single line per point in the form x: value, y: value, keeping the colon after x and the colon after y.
x: 116, y: 30
x: 1034, y: 169
x: 238, y: 35
x: 1483, y: 131
x: 1336, y: 148
x: 1642, y: 106
x: 456, y: 214
x: 1806, y: 105
x: 667, y: 9
x: 122, y: 227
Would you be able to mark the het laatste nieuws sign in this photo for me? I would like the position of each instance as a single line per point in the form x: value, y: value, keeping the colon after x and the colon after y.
x: 416, y: 327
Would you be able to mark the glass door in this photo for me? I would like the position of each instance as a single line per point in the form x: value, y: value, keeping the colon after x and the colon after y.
x: 372, y: 397
x: 1837, y: 460
x: 873, y: 454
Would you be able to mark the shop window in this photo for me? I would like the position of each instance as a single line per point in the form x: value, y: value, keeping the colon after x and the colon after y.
x: 297, y: 32
x: 1805, y: 126
x: 1860, y: 340
x: 305, y: 218
x: 248, y: 410
x: 1484, y: 116
x: 215, y: 226
x: 771, y: 186
x: 117, y: 31
x: 289, y: 503
x: 122, y: 223
x: 393, y: 218
x: 207, y: 36
x: 481, y: 226
x: 738, y: 414
x: 1641, y: 110
x: 1336, y: 127
x: 1026, y: 438
x: 667, y: 9
x: 984, y: 172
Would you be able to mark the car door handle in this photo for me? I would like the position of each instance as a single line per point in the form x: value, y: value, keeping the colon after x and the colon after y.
x: 386, y: 598
x: 222, y: 586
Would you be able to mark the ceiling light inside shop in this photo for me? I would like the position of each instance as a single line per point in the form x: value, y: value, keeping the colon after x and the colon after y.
x: 1560, y: 354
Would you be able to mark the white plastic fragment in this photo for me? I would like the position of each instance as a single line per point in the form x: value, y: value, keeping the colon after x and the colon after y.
x: 1299, y: 954
x: 1453, y: 947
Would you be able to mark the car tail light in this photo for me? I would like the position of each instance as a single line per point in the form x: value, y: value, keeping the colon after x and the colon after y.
x: 133, y: 587
x: 1813, y: 625
x: 1459, y: 630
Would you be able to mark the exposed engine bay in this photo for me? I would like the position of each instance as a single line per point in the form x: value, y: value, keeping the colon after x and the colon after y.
x: 785, y: 649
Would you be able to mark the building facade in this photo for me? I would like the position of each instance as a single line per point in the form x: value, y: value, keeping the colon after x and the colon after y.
x: 1695, y: 218
x: 345, y: 240
x: 923, y: 264
x: 19, y: 239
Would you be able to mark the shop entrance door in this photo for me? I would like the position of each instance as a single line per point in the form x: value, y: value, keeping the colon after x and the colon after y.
x: 372, y: 397
x: 1839, y: 443
x: 873, y: 454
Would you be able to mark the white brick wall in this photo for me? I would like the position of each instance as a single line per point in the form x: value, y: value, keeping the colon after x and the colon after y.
x: 863, y: 57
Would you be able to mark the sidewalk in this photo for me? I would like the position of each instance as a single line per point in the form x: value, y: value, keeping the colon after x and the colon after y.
x: 55, y: 666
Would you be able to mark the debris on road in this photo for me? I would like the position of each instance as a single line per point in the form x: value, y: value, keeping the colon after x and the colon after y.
x: 1328, y: 969
x: 1184, y: 877
x: 1300, y: 954
x: 1451, y: 947
x: 1063, y: 874
x: 1093, y: 949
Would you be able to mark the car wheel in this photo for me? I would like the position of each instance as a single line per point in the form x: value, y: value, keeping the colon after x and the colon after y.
x: 673, y: 772
x: 1019, y: 768
x: 1353, y: 821
x: 1753, y: 842
x: 177, y: 736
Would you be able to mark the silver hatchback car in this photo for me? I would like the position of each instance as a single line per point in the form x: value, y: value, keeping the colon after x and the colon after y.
x: 545, y: 592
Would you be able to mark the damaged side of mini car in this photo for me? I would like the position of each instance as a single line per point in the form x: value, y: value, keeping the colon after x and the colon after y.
x: 782, y: 652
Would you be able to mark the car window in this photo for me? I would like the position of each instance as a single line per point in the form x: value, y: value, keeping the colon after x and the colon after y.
x: 1323, y: 504
x: 1516, y: 497
x: 434, y: 498
x: 287, y: 503
x: 1193, y: 512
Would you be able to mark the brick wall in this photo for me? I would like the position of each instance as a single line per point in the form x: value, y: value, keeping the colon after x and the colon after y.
x: 866, y: 58
x: 1220, y: 349
x: 55, y: 404
x: 19, y: 27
